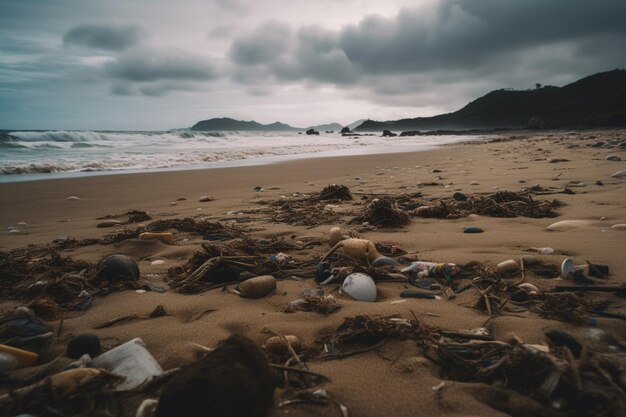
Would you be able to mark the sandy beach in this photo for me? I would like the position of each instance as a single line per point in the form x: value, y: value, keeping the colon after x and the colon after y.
x: 395, y: 378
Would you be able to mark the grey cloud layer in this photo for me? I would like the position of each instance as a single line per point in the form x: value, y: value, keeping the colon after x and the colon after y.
x: 154, y: 65
x: 110, y: 37
x: 455, y: 35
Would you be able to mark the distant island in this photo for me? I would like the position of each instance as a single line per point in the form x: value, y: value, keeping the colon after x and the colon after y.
x: 595, y: 101
x: 226, y: 124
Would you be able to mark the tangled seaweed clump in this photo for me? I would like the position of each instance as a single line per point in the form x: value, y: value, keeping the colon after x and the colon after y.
x: 335, y: 192
x: 381, y: 212
x: 500, y: 204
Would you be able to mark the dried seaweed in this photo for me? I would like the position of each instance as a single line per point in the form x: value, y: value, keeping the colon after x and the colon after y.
x: 582, y: 388
x: 302, y: 212
x: 564, y: 307
x: 224, y: 263
x: 334, y: 192
x: 500, y: 204
x: 380, y: 212
x: 362, y: 333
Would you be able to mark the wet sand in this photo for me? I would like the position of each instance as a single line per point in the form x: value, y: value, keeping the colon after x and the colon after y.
x: 395, y: 379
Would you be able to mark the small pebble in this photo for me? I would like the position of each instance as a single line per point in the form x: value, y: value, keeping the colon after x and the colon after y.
x: 85, y: 343
x: 621, y: 226
x: 472, y: 229
x: 258, y: 189
x: 22, y: 224
x: 613, y: 158
x: 173, y: 203
x: 157, y: 262
x: 72, y: 198
x: 205, y: 198
x: 618, y: 174
x: 459, y: 196
x: 474, y: 183
x: 181, y: 199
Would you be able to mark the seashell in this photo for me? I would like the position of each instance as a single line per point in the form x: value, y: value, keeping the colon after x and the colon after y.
x: 506, y: 266
x: 567, y: 267
x: 277, y: 344
x: 118, y: 268
x: 360, y: 249
x: 360, y: 287
x: 257, y: 287
x: 157, y: 262
x: 72, y: 198
x: 618, y: 174
x: 568, y: 224
x: 528, y: 287
x: 621, y: 226
x: 385, y: 261
x: 335, y: 236
x: 166, y: 238
x: 109, y: 223
x: 205, y: 198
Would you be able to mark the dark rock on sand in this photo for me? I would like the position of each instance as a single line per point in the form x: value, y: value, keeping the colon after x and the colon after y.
x: 312, y: 132
x: 459, y: 196
x: 85, y: 343
x: 118, y: 268
x: 389, y: 133
x: 472, y: 229
x: 233, y: 380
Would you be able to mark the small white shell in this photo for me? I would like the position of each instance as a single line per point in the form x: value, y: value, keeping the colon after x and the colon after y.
x: 359, y: 286
x: 568, y: 225
x: 567, y: 267
x: 528, y: 287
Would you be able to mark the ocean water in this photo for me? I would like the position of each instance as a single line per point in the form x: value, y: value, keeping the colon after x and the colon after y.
x: 36, y: 155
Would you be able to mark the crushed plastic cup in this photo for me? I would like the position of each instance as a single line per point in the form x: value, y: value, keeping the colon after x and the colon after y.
x: 131, y: 360
x: 432, y: 269
x: 567, y: 267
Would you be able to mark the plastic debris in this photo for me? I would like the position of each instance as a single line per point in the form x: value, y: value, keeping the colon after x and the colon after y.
x: 131, y: 360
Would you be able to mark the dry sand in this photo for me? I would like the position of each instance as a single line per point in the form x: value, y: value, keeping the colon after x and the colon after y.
x: 396, y: 379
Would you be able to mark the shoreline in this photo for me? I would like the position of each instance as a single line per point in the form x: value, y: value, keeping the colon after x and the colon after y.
x: 244, y: 162
x: 405, y: 382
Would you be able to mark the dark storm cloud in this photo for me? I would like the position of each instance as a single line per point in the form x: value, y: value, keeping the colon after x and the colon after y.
x: 478, y: 36
x: 110, y: 37
x: 274, y: 49
x: 263, y: 45
x: 154, y: 65
x: 463, y: 34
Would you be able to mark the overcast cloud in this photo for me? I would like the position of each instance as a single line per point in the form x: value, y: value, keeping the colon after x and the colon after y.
x: 151, y: 64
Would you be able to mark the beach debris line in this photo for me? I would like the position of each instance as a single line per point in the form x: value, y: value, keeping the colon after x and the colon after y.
x: 499, y: 204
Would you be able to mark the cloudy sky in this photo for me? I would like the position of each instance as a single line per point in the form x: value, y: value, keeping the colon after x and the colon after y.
x: 161, y: 64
